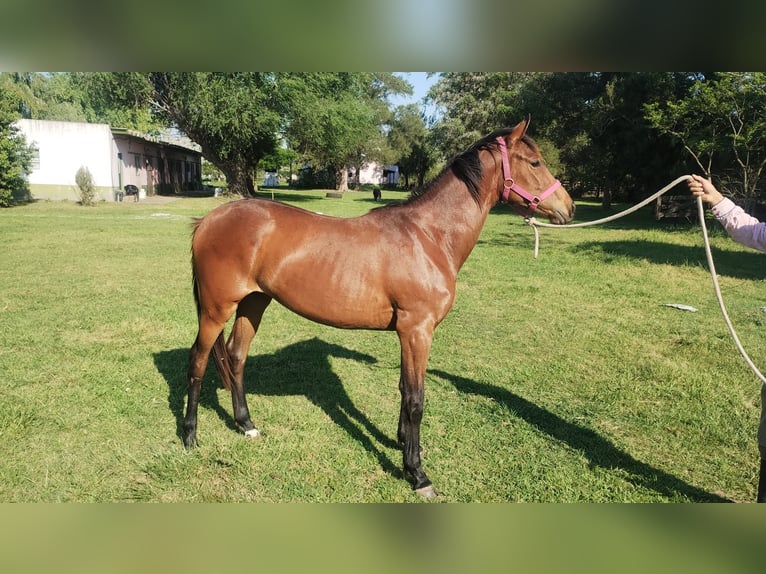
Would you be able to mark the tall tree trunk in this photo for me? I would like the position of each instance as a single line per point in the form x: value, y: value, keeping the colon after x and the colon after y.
x: 357, y: 183
x: 606, y: 201
x: 239, y: 178
x: 341, y: 179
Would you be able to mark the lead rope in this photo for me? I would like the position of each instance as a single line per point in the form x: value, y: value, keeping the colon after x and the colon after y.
x: 706, y: 241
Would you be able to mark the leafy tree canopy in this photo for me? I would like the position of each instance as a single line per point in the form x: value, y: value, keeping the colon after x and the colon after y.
x: 337, y: 119
x: 15, y: 154
x: 720, y: 120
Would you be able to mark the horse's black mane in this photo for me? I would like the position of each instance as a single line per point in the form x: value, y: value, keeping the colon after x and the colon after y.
x: 466, y: 165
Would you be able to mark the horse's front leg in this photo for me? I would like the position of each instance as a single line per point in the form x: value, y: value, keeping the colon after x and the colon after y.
x: 416, y: 346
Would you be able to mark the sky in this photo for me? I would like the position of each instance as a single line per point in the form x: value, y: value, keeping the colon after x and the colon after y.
x: 420, y: 85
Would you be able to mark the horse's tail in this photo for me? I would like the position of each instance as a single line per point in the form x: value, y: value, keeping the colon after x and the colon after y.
x: 223, y: 361
x: 221, y: 354
x: 195, y: 286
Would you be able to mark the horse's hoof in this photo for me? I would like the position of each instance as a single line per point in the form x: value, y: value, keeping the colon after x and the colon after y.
x: 253, y: 434
x: 427, y: 491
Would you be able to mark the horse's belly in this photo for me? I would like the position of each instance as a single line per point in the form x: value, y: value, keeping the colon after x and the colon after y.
x: 338, y: 310
x: 336, y: 295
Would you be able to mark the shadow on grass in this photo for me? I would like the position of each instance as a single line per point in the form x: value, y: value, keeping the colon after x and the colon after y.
x: 300, y: 369
x: 641, y: 219
x: 598, y: 450
x: 736, y: 264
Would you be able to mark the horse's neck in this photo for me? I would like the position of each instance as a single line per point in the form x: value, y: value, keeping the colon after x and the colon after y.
x: 453, y: 218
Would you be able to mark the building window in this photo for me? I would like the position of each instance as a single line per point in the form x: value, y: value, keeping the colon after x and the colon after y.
x: 137, y: 162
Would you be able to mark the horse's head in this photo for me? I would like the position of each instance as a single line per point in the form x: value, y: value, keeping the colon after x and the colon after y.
x: 528, y: 186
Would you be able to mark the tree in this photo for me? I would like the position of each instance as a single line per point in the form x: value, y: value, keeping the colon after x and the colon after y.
x: 280, y: 159
x: 117, y: 99
x: 120, y: 99
x: 343, y: 129
x: 628, y: 158
x: 18, y: 87
x: 62, y: 99
x: 561, y: 106
x: 595, y: 120
x: 335, y: 120
x: 46, y: 96
x: 15, y: 154
x: 721, y: 123
x: 476, y: 103
x: 411, y: 144
x: 234, y: 117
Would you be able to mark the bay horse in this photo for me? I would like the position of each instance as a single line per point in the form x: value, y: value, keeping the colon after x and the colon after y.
x: 391, y: 269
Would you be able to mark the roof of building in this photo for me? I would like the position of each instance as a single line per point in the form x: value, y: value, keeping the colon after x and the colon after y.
x: 168, y: 139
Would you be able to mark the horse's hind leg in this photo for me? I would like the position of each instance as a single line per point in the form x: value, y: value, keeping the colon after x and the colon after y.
x: 198, y: 358
x: 249, y: 313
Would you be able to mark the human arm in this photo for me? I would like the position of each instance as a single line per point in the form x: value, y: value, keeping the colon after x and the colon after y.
x: 742, y: 227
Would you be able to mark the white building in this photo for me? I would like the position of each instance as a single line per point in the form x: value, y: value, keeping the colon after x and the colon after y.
x: 376, y: 174
x: 115, y: 157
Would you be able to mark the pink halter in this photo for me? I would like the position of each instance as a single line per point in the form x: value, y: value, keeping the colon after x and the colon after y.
x: 510, y: 185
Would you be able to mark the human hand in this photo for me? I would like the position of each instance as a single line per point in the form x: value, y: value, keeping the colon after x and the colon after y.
x: 704, y: 188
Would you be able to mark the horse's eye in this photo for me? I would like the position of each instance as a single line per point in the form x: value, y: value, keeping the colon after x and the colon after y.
x: 536, y: 163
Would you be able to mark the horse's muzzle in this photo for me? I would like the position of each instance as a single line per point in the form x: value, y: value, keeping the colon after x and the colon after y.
x: 559, y: 217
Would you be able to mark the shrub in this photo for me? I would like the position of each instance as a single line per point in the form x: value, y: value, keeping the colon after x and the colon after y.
x: 6, y: 198
x: 84, y: 181
x: 15, y: 154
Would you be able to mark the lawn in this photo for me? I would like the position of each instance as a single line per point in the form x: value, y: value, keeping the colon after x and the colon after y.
x: 561, y: 379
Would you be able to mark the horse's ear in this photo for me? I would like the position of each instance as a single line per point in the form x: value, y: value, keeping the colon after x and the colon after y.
x: 520, y: 129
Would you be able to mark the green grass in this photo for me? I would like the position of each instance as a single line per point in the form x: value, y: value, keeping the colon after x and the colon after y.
x: 561, y: 379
